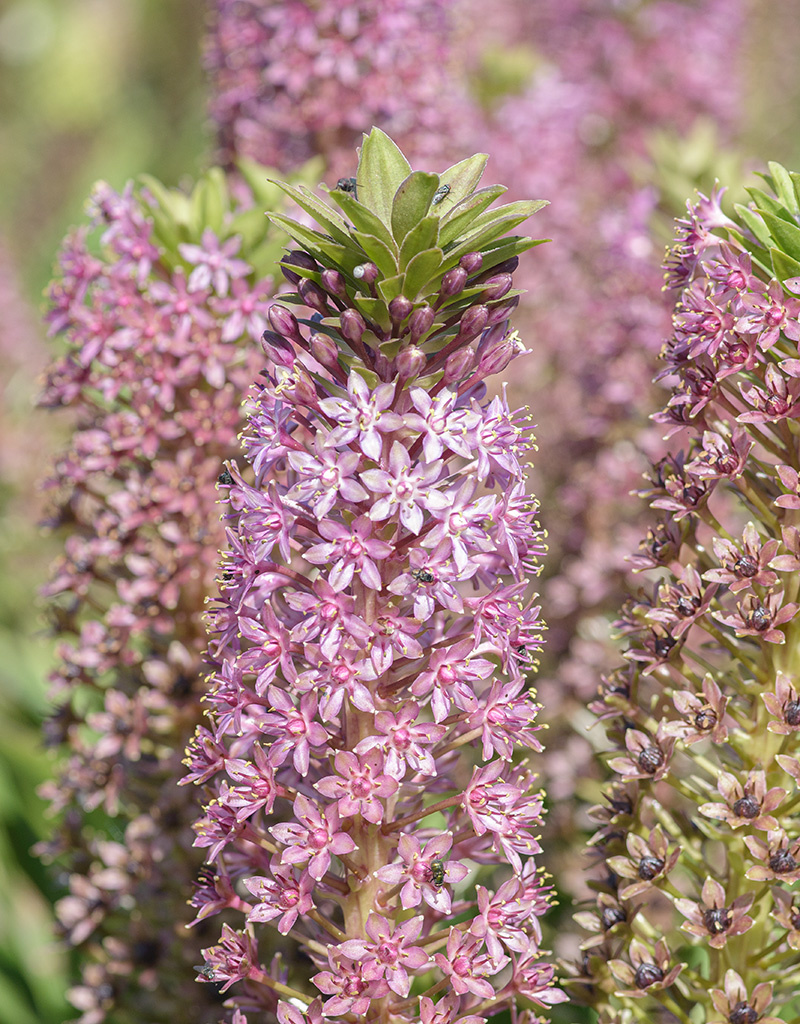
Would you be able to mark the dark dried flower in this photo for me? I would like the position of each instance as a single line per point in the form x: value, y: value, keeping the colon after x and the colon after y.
x: 713, y: 919
x: 749, y: 803
x: 647, y: 971
x: 737, y: 1007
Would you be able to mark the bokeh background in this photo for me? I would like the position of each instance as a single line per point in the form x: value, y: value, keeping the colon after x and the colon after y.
x: 106, y: 89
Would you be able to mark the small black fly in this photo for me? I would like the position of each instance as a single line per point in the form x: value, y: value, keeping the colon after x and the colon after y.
x: 348, y: 185
x: 439, y: 194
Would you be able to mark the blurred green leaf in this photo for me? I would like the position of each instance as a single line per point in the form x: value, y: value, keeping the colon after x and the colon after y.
x: 786, y: 235
x: 783, y: 265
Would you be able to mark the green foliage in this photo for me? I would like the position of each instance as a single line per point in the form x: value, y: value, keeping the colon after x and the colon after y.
x: 180, y: 217
x: 412, y: 230
x: 504, y: 71
x: 679, y: 165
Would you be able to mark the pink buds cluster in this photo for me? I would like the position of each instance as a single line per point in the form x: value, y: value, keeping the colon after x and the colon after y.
x: 699, y: 833
x: 374, y: 627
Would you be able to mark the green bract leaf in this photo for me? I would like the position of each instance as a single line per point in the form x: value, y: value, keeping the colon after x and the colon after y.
x: 412, y: 201
x: 420, y: 270
x: 381, y: 170
x: 505, y: 248
x: 363, y: 219
x: 316, y: 244
x: 377, y: 251
x: 522, y: 209
x: 784, y: 266
x: 374, y: 310
x: 390, y: 287
x: 479, y: 239
x: 784, y: 187
x: 323, y: 214
x: 754, y: 222
x: 463, y: 179
x: 786, y: 234
x: 767, y: 202
x: 424, y: 236
x: 461, y: 216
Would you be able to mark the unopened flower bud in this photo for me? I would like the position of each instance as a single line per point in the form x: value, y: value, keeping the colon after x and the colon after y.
x: 420, y: 322
x: 502, y: 311
x: 366, y: 272
x: 471, y: 262
x: 506, y: 267
x: 399, y: 308
x: 472, y: 323
x: 305, y: 391
x: 453, y: 282
x: 314, y: 296
x: 333, y: 283
x: 497, y: 286
x: 353, y: 325
x: 492, y: 337
x: 299, y: 386
x: 284, y: 322
x: 410, y: 362
x: 324, y: 350
x: 297, y: 259
x: 458, y: 365
x: 280, y: 351
x: 499, y: 356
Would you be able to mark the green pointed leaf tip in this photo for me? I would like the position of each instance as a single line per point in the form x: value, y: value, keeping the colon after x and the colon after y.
x: 784, y: 187
x: 382, y: 168
x: 763, y: 201
x: 463, y: 179
x: 412, y: 225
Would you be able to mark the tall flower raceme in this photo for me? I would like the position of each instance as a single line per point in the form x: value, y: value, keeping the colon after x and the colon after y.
x: 291, y: 80
x: 366, y: 757
x: 158, y: 319
x: 609, y: 76
x: 698, y: 835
